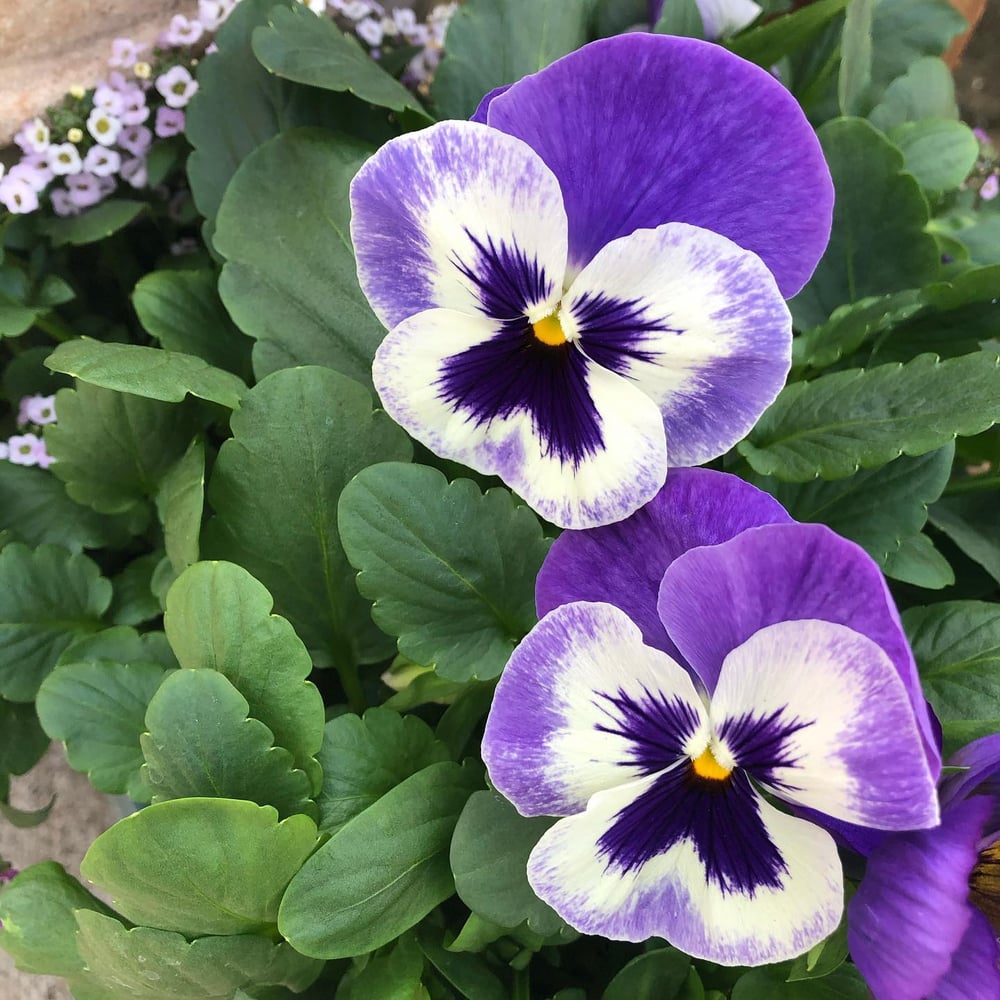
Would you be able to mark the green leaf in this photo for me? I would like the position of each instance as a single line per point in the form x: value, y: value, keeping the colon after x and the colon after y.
x: 939, y: 153
x: 97, y: 709
x: 916, y: 561
x: 855, y: 56
x: 303, y: 306
x: 94, y: 224
x: 38, y: 511
x: 240, y: 105
x: 314, y: 428
x: 489, y: 858
x: 301, y: 47
x: 182, y: 309
x: 772, y: 41
x: 849, y: 326
x: 134, y: 602
x: 180, y: 501
x: 767, y: 983
x: 37, y: 927
x: 146, y: 371
x: 364, y: 758
x: 878, y: 244
x: 876, y: 508
x: 235, y: 854
x: 159, y: 965
x: 112, y: 448
x: 234, y: 757
x: 22, y: 740
x: 927, y: 90
x: 451, y: 571
x: 680, y: 17
x: 120, y: 645
x: 470, y: 975
x: 656, y: 975
x: 838, y: 423
x: 970, y: 521
x: 381, y: 873
x: 493, y: 42
x: 219, y: 618
x: 392, y: 976
x: 48, y: 598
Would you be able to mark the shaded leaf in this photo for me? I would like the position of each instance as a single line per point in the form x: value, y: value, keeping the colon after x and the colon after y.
x: 93, y: 224
x: 971, y: 522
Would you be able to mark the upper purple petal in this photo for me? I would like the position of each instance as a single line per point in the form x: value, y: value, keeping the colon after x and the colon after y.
x: 733, y: 151
x: 982, y: 758
x: 911, y: 911
x: 714, y: 598
x: 623, y: 563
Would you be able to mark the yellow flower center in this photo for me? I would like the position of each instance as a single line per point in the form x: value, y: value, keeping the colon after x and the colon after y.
x: 706, y: 766
x: 984, y: 884
x: 549, y: 330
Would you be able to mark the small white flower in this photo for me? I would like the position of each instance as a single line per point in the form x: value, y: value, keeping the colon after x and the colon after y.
x: 184, y: 31
x: 316, y: 6
x: 24, y: 449
x: 108, y: 99
x: 37, y: 136
x: 369, y: 31
x: 41, y: 410
x: 63, y: 159
x: 355, y: 10
x: 176, y: 86
x: 103, y: 127
x: 34, y: 169
x: 124, y: 53
x: 102, y: 162
x: 4, y: 450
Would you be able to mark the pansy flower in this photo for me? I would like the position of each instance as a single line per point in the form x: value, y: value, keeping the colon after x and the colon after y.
x: 588, y: 277
x: 700, y: 663
x: 924, y: 922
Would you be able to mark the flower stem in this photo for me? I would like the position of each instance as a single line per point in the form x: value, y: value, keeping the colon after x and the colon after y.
x: 350, y: 680
x: 522, y: 984
x: 974, y: 484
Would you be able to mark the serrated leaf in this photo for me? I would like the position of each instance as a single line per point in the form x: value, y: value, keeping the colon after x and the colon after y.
x: 48, y: 598
x: 160, y: 965
x: 917, y: 561
x: 313, y: 428
x: 926, y: 90
x: 149, y: 372
x: 847, y: 420
x: 494, y: 42
x: 451, y: 570
x: 878, y: 243
x: 303, y: 306
x: 112, y: 448
x: 97, y: 709
x: 939, y: 153
x: 201, y: 741
x: 489, y: 858
x: 237, y: 854
x: 876, y: 508
x: 37, y: 927
x: 219, y: 618
x: 364, y: 758
x: 180, y: 501
x: 381, y: 873
x: 957, y: 648
x: 121, y: 645
x: 182, y: 309
x: 299, y: 46
x: 971, y: 522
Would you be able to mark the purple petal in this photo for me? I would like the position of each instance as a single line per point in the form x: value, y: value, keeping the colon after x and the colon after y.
x: 721, y: 875
x: 817, y: 714
x: 784, y: 572
x: 695, y: 322
x: 482, y: 110
x: 580, y: 444
x: 737, y: 156
x: 584, y: 706
x: 973, y: 974
x: 911, y: 911
x: 458, y: 216
x: 623, y: 563
x: 982, y: 758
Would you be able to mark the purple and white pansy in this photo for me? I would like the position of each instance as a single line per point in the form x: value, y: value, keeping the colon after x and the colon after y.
x: 569, y: 302
x: 698, y: 664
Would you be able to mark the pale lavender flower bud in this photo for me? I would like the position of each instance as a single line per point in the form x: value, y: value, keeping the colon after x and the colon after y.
x: 134, y: 109
x: 84, y: 189
x: 135, y: 139
x: 62, y: 204
x: 124, y: 52
x: 990, y: 188
x: 33, y: 168
x: 102, y: 162
x: 134, y: 171
x: 169, y: 122
x: 109, y: 100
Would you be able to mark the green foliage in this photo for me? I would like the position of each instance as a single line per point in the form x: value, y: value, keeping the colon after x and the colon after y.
x: 364, y: 758
x: 451, y: 571
x: 312, y: 430
x: 938, y: 152
x: 768, y: 983
x: 836, y: 424
x: 957, y: 647
x: 233, y: 757
x: 146, y: 371
x: 237, y: 854
x: 303, y: 305
x: 490, y: 44
x: 22, y: 740
x: 661, y: 974
x: 219, y: 618
x: 337, y: 907
x: 878, y: 244
x: 113, y: 448
x: 680, y: 17
x: 489, y: 857
x: 90, y: 227
x: 180, y: 502
x: 926, y: 90
x: 48, y: 598
x: 970, y: 521
x: 772, y: 40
